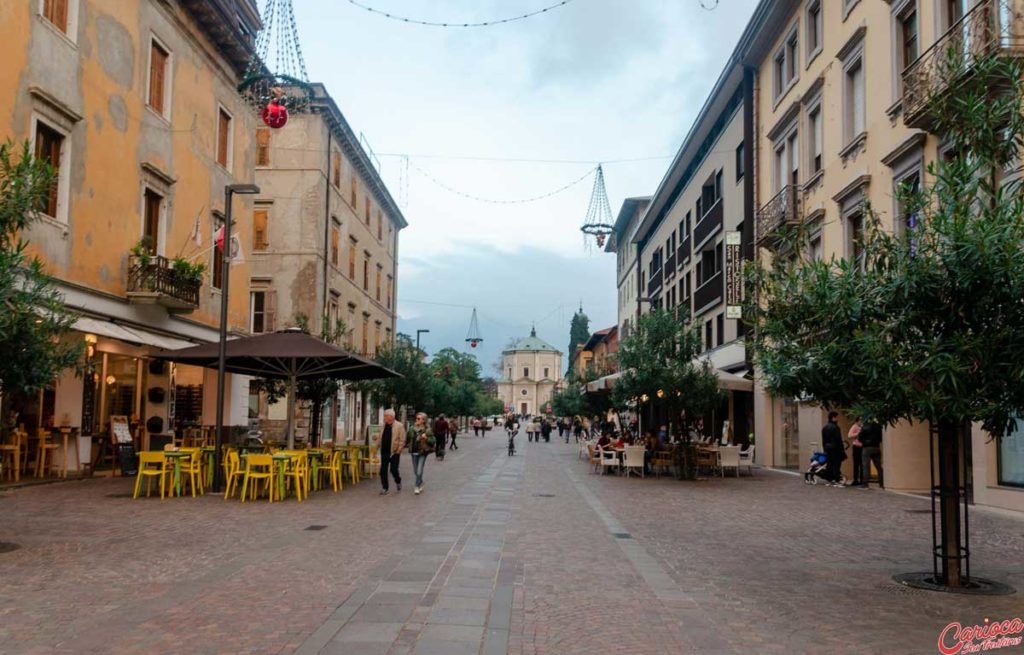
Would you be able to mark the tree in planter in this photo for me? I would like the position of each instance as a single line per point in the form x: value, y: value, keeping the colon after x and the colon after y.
x: 928, y: 323
x: 33, y: 318
x: 660, y: 361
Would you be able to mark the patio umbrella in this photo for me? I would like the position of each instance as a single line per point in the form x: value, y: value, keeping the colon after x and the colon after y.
x: 290, y: 355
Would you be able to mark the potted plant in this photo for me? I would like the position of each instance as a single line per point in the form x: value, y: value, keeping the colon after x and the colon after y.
x: 143, y: 251
x: 187, y: 271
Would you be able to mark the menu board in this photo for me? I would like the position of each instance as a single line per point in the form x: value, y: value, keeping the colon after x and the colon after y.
x: 120, y: 430
x: 88, y: 401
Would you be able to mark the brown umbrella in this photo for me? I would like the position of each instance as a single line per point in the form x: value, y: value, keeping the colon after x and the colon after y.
x: 290, y: 355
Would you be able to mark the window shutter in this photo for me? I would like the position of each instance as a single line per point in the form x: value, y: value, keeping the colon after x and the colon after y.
x: 157, y: 69
x: 223, y: 128
x: 263, y: 146
x: 259, y: 233
x: 270, y: 310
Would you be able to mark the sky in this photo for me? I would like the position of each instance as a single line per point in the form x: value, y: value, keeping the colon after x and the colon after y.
x: 591, y: 81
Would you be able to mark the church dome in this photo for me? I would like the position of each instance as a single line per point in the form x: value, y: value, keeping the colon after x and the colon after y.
x: 532, y: 343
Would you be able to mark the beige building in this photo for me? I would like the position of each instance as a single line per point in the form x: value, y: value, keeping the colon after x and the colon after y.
x: 531, y: 368
x: 839, y: 123
x: 627, y: 277
x: 135, y: 104
x: 324, y: 243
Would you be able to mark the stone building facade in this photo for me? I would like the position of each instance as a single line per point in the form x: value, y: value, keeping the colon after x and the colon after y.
x: 531, y: 369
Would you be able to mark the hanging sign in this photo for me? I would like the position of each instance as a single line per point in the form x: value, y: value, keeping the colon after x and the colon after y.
x: 733, y: 275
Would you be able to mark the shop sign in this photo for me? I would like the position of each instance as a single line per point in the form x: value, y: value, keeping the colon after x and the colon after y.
x: 733, y: 275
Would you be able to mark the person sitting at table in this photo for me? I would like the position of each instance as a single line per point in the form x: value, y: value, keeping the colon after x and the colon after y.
x: 620, y: 442
x: 605, y: 441
x: 651, y: 445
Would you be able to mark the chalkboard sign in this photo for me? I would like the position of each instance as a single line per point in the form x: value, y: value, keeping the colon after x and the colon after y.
x: 120, y: 432
x: 126, y: 459
x: 88, y: 402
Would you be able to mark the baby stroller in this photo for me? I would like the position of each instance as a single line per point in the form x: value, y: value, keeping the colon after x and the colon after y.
x: 818, y: 469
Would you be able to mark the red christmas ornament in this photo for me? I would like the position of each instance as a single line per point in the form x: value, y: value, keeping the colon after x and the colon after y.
x: 275, y: 114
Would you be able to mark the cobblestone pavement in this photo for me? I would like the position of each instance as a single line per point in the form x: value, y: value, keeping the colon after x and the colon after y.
x: 528, y: 555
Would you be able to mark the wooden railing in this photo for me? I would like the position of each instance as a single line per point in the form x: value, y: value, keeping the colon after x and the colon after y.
x: 710, y: 293
x: 154, y: 275
x: 708, y: 224
x: 783, y: 209
x: 990, y: 26
x: 655, y: 282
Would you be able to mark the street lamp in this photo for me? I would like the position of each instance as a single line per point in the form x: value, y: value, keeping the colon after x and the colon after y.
x: 225, y: 270
x: 418, y: 333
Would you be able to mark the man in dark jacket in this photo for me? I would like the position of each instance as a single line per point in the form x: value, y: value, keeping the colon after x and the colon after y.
x: 545, y: 429
x: 871, y: 451
x: 832, y: 444
x: 440, y: 429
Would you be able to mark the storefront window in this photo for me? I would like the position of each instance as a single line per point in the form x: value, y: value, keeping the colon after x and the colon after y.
x: 1011, y: 457
x: 790, y: 434
x: 121, y: 387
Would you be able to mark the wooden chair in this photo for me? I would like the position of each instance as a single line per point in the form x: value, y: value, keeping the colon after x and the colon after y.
x: 45, y: 452
x: 662, y: 460
x: 707, y: 459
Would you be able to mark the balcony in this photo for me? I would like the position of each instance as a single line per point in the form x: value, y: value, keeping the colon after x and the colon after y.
x: 654, y: 284
x: 781, y: 211
x: 152, y: 280
x: 709, y: 294
x: 709, y: 224
x: 990, y: 27
x: 670, y: 265
x: 684, y: 252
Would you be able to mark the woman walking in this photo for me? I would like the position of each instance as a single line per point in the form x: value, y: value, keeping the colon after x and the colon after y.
x: 854, y: 436
x: 421, y: 444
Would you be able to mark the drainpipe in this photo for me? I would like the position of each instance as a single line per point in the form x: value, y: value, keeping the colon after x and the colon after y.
x: 327, y: 224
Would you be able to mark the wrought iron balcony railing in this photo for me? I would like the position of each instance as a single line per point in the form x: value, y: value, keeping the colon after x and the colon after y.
x: 151, y: 279
x: 991, y: 26
x: 780, y: 211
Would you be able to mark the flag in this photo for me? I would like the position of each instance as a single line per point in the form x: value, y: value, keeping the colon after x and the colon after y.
x: 218, y: 238
x: 235, y: 254
x: 197, y: 232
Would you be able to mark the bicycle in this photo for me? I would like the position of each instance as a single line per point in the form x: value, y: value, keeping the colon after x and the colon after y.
x: 511, y: 443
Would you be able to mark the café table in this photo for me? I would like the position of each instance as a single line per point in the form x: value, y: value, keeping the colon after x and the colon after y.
x: 316, y: 460
x: 280, y: 460
x: 209, y: 451
x: 176, y: 456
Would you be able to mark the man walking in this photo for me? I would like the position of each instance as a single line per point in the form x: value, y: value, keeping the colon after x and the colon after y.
x: 453, y: 431
x: 392, y: 441
x: 440, y: 429
x: 545, y: 430
x: 832, y: 444
x: 871, y: 451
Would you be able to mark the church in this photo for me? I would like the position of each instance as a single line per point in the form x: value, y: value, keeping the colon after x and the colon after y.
x: 531, y: 369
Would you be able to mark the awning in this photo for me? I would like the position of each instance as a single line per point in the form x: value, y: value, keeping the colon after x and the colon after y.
x: 603, y: 383
x: 131, y: 335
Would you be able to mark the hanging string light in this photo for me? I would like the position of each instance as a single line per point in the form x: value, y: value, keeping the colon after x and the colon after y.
x: 487, y: 23
x: 493, y: 201
x: 598, y: 221
x: 708, y: 5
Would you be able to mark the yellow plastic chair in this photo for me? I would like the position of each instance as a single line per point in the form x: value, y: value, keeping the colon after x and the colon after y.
x: 151, y: 465
x: 331, y: 470
x: 296, y: 473
x: 232, y: 472
x: 192, y: 470
x: 350, y: 463
x: 258, y: 468
x: 369, y: 461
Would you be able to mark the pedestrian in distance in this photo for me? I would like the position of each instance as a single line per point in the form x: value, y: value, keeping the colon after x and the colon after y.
x: 832, y: 445
x: 421, y: 444
x: 477, y: 425
x: 561, y: 428
x: 440, y: 429
x: 392, y: 441
x: 854, y: 436
x: 577, y: 428
x: 871, y: 440
x: 545, y: 430
x: 453, y: 431
x: 529, y: 431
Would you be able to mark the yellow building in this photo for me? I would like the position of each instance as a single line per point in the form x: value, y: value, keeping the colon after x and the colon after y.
x: 840, y: 123
x: 134, y: 103
x: 531, y: 369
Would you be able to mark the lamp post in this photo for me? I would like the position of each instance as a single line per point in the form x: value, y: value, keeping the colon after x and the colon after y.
x: 418, y: 333
x: 225, y: 270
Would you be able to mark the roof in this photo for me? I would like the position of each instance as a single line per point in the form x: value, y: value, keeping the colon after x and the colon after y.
x: 532, y: 343
x: 598, y: 337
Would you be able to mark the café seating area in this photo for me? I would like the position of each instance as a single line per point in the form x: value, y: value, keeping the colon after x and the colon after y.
x: 712, y: 458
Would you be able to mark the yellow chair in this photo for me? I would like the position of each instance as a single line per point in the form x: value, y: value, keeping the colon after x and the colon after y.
x: 192, y: 470
x: 258, y: 468
x: 331, y: 469
x: 296, y: 473
x: 10, y: 458
x: 350, y: 463
x: 369, y: 460
x: 232, y: 471
x: 151, y: 465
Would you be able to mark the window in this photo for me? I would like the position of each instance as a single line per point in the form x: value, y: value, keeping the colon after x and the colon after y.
x: 526, y: 372
x: 49, y: 148
x: 366, y: 271
x: 708, y: 266
x: 720, y: 328
x: 787, y: 160
x: 546, y: 376
x: 739, y: 162
x: 332, y: 311
x: 217, y: 265
x: 855, y: 237
x: 377, y: 294
x: 56, y: 11
x: 785, y: 63
x: 814, y: 27
x: 336, y: 169
x: 159, y: 63
x: 1010, y: 458
x: 908, y: 35
x: 380, y: 226
x: 352, y: 254
x: 366, y: 209
x: 391, y: 283
x: 366, y: 334
x: 905, y: 38
x: 260, y: 235
x: 814, y: 136
x: 335, y: 241
x: 350, y: 326
x: 354, y: 192
x: 151, y: 203
x: 263, y: 302
x: 954, y: 11
x: 815, y: 253
x: 854, y: 97
x: 263, y: 146
x: 376, y: 337
x: 223, y: 138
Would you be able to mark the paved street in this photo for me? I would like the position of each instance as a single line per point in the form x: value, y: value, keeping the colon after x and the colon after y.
x: 526, y: 555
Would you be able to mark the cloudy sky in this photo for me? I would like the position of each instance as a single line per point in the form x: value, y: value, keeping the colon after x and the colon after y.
x: 507, y: 113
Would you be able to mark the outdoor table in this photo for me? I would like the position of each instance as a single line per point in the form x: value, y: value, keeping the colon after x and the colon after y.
x: 280, y: 459
x: 209, y: 451
x: 65, y: 432
x: 177, y: 456
x: 316, y: 459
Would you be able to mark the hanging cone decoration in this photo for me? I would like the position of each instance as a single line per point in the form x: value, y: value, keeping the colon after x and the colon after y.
x: 473, y: 337
x: 276, y: 82
x: 598, y: 222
